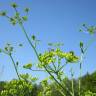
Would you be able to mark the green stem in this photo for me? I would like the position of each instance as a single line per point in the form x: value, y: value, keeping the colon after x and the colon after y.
x: 58, y: 59
x: 54, y: 78
x: 9, y: 54
x: 62, y: 67
x: 37, y: 70
x: 28, y: 39
x: 60, y: 91
x: 81, y: 61
x: 72, y: 81
x: 54, y: 66
x: 14, y: 66
x: 80, y: 80
x: 72, y: 87
x: 89, y: 44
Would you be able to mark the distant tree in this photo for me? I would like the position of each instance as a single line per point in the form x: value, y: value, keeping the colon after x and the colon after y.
x: 89, y: 82
x: 2, y: 84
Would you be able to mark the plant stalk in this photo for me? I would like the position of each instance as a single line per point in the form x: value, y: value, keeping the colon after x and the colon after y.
x: 14, y: 66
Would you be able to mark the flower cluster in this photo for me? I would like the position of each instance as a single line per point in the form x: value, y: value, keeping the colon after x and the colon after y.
x: 8, y: 48
x: 90, y: 29
x: 50, y: 56
x: 16, y: 19
x: 71, y: 58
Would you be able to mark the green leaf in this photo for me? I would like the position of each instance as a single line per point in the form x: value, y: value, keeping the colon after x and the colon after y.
x: 28, y: 66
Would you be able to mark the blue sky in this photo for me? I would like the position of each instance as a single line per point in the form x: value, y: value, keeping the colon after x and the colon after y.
x: 51, y: 21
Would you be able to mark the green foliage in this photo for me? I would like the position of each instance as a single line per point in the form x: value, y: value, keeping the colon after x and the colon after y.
x: 89, y: 82
x: 50, y: 57
x: 2, y: 84
x: 46, y: 89
x: 17, y: 88
x: 89, y: 93
x: 28, y: 78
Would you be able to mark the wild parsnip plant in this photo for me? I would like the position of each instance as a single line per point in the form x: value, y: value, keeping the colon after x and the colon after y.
x: 52, y: 61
